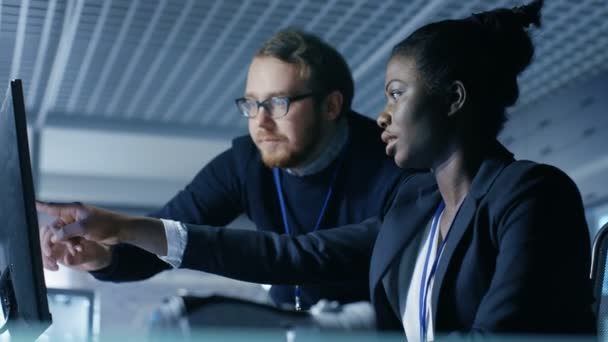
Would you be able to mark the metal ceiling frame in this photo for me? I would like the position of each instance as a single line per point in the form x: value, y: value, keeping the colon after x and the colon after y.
x: 327, y: 5
x: 343, y: 20
x: 361, y: 28
x: 111, y: 60
x: 88, y: 57
x: 535, y: 84
x: 70, y: 25
x: 152, y: 108
x: 126, y: 77
x: 360, y: 67
x: 42, y: 51
x: 171, y: 68
x: 159, y: 59
x: 139, y: 50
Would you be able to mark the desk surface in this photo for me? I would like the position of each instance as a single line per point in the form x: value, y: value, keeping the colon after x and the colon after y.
x: 269, y: 336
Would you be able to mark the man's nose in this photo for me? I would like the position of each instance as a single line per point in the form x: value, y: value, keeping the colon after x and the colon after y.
x: 263, y: 117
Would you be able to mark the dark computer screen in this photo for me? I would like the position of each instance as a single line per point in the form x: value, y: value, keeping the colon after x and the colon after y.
x: 22, y: 287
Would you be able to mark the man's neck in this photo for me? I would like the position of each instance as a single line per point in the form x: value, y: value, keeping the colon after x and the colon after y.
x: 328, y: 151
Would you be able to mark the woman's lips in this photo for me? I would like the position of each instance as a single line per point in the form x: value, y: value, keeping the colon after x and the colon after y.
x: 389, y: 139
x: 387, y: 136
x: 390, y: 146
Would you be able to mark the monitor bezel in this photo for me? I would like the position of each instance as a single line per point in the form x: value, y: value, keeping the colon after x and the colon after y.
x: 23, y: 319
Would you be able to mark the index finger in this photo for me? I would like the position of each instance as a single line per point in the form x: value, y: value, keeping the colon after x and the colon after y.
x: 69, y: 231
x: 45, y: 241
x: 55, y: 209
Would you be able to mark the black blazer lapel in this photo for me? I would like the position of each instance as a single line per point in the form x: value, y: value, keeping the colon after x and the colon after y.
x: 460, y: 225
x: 491, y: 167
x: 413, y: 206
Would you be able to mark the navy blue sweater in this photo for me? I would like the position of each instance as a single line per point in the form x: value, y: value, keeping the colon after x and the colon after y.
x: 237, y: 182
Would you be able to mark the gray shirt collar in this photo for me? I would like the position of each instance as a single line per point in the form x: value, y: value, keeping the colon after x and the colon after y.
x: 328, y: 155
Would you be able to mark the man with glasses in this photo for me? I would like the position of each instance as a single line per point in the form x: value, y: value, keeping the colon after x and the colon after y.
x: 308, y: 163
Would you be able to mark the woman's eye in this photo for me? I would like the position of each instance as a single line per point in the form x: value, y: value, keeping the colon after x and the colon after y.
x: 395, y: 94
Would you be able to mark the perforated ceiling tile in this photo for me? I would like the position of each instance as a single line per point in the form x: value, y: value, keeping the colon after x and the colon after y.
x: 175, y: 66
x: 180, y: 63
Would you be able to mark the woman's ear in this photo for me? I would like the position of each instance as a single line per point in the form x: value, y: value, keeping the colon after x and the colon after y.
x: 458, y: 97
x: 333, y: 105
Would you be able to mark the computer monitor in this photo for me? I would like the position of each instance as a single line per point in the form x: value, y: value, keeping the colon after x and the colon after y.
x: 22, y: 288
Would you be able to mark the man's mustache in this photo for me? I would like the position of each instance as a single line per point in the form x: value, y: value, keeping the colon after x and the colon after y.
x: 269, y: 136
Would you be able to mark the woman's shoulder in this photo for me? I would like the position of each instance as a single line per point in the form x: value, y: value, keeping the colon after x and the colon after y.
x: 524, y: 179
x: 522, y: 172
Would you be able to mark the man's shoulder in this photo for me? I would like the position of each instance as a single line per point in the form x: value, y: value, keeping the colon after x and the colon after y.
x: 243, y: 144
x: 244, y: 139
x: 244, y: 152
x: 365, y: 134
x: 362, y: 124
x: 366, y: 144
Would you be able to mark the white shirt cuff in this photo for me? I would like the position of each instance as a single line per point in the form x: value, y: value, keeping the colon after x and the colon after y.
x: 177, y: 236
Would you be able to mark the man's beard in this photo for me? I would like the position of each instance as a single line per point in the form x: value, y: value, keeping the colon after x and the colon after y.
x: 287, y: 156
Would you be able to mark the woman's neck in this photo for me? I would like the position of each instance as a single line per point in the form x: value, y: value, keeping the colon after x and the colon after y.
x: 454, y: 174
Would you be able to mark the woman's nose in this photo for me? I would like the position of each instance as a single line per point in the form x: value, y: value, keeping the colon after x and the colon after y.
x: 384, y: 119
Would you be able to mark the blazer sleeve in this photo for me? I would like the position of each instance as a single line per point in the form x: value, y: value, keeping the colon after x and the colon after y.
x: 541, y: 279
x: 320, y: 257
x: 213, y: 197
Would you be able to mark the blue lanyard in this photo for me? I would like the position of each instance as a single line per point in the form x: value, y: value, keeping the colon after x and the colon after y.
x: 277, y: 183
x: 425, y: 282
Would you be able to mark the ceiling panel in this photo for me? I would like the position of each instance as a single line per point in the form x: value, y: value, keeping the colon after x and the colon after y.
x: 174, y: 66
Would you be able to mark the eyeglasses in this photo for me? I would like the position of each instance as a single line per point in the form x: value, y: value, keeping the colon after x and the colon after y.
x: 276, y: 106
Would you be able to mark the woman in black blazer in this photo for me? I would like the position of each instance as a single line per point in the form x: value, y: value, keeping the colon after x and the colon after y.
x: 509, y: 247
x: 481, y: 244
x: 506, y: 249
